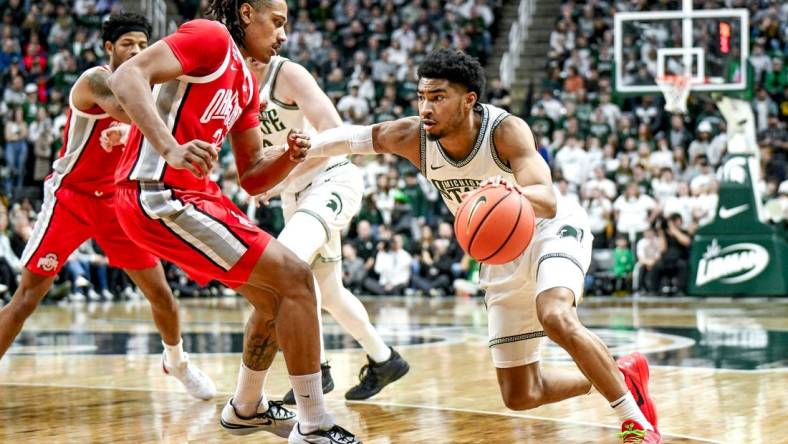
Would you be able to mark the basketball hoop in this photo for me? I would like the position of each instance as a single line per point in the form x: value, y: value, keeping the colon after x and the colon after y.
x: 676, y: 89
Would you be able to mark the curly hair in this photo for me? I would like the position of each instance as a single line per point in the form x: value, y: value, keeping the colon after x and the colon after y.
x: 456, y: 67
x: 118, y: 24
x: 227, y: 12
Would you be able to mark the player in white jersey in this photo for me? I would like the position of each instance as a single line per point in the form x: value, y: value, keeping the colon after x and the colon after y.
x: 460, y: 145
x: 319, y: 199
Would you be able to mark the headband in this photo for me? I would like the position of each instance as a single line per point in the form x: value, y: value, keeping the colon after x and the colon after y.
x: 126, y: 29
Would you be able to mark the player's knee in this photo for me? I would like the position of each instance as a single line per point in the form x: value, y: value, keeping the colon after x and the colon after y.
x: 519, y: 398
x: 300, y: 283
x: 559, y: 325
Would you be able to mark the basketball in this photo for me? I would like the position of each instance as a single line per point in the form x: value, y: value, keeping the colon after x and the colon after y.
x: 494, y: 224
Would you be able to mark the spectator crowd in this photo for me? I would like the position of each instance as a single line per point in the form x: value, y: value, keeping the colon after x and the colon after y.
x: 647, y: 178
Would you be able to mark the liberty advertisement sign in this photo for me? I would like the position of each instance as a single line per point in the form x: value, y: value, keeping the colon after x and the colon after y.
x: 731, y: 267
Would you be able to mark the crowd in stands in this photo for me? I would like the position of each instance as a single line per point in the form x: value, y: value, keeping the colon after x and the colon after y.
x: 647, y: 178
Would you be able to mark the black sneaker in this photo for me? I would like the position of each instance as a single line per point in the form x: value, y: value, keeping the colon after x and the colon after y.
x: 374, y: 376
x: 334, y: 435
x: 328, y: 384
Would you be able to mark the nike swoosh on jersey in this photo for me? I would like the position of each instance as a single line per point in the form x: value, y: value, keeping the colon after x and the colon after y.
x: 727, y: 213
x: 433, y: 167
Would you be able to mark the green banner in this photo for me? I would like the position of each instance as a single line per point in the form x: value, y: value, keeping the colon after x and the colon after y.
x: 737, y: 254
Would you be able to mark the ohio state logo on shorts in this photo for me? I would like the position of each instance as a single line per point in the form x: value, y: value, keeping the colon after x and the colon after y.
x: 48, y: 262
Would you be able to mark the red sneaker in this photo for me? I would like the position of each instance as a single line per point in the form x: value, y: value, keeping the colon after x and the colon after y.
x: 635, y: 369
x: 634, y: 433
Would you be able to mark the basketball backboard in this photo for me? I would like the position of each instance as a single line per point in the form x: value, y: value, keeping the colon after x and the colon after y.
x: 710, y: 45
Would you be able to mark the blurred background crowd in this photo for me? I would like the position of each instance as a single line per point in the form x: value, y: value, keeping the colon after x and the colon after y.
x: 647, y: 178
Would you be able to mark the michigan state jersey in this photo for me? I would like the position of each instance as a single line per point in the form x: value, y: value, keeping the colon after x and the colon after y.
x: 452, y: 177
x: 276, y: 120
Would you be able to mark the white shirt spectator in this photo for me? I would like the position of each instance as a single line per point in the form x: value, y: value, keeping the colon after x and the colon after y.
x: 598, y: 213
x: 573, y: 163
x: 648, y: 250
x: 633, y: 213
x: 717, y: 148
x: 553, y: 108
x: 354, y: 108
x: 696, y: 148
x: 662, y: 190
x: 382, y: 68
x: 679, y: 205
x: 661, y: 159
x: 704, y: 208
x: 8, y: 253
x: 397, y: 56
x: 760, y: 63
x: 612, y: 113
x: 605, y: 186
x: 405, y: 36
x: 393, y: 267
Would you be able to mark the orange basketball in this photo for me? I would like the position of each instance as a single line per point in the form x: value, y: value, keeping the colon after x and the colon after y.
x: 494, y: 225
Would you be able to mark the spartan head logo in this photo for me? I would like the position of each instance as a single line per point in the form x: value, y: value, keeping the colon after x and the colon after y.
x: 335, y: 203
x: 570, y: 231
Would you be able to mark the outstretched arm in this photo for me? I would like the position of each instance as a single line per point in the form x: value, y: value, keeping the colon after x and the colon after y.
x: 515, y: 145
x: 260, y: 170
x: 400, y: 137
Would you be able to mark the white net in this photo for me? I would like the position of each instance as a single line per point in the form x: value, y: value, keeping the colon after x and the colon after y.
x: 676, y: 89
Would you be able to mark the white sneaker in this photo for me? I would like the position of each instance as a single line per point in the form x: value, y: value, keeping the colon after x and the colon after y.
x: 334, y: 435
x: 107, y: 295
x: 93, y: 295
x: 273, y: 418
x: 197, y: 383
x: 81, y: 282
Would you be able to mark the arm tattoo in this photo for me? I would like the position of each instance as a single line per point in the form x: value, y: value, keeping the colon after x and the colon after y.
x: 98, y: 83
x: 260, y: 349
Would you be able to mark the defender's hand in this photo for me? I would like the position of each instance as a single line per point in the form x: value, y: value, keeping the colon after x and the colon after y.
x: 298, y: 144
x: 196, y: 156
x: 114, y: 136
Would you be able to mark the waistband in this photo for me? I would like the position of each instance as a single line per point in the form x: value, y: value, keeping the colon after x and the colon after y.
x: 307, y: 186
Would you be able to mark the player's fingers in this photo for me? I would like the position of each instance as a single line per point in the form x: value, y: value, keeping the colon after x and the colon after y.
x: 207, y: 147
x: 303, y: 143
x: 193, y: 170
x: 196, y: 164
x: 202, y: 154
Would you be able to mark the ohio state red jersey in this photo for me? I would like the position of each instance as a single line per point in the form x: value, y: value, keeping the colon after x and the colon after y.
x: 82, y: 165
x: 216, y: 94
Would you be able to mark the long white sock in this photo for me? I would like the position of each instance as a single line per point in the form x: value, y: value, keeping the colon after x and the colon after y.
x: 308, y: 391
x: 627, y: 408
x: 173, y: 354
x: 355, y: 320
x: 249, y: 391
x: 350, y: 312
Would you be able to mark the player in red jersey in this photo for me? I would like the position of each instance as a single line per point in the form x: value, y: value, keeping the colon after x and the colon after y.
x: 167, y: 204
x: 78, y: 205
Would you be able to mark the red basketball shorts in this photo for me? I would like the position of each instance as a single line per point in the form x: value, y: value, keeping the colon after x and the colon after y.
x: 203, y: 233
x: 67, y: 219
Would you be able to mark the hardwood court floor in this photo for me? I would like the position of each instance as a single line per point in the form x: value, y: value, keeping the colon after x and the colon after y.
x: 90, y: 373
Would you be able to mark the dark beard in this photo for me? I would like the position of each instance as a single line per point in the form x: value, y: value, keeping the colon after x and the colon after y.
x: 433, y: 137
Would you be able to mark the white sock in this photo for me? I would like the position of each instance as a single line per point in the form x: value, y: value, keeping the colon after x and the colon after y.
x: 627, y: 408
x: 350, y: 312
x: 308, y: 391
x: 249, y: 391
x: 173, y: 354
